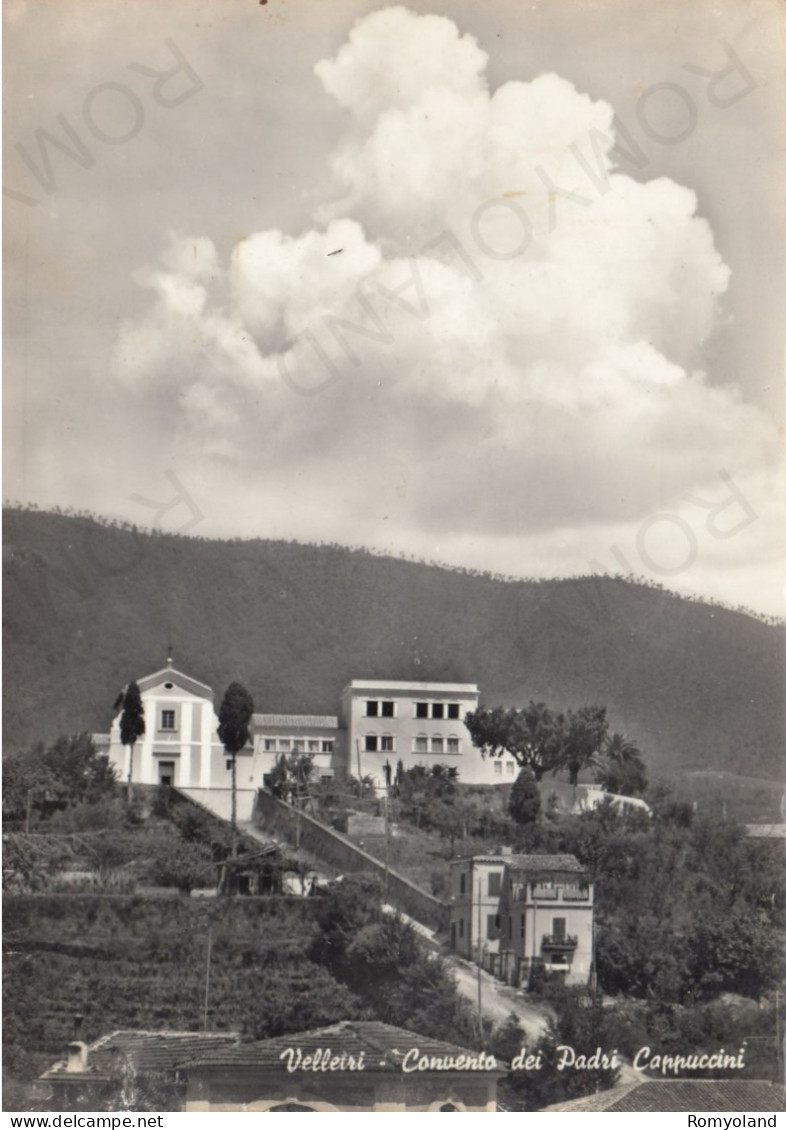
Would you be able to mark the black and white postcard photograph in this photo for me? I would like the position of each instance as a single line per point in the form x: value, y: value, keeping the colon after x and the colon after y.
x: 394, y: 712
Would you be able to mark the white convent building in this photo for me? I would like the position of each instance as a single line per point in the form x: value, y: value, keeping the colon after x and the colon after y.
x: 381, y: 723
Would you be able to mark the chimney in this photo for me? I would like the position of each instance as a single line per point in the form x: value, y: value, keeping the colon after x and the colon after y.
x: 77, y: 1057
x: 506, y: 850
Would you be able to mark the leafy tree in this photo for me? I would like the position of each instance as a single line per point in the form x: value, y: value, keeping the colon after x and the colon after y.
x: 524, y: 803
x: 291, y: 773
x: 621, y: 767
x: 428, y: 796
x: 28, y: 784
x: 84, y: 774
x: 40, y: 781
x: 353, y: 904
x: 132, y: 727
x: 736, y: 953
x: 234, y: 719
x: 404, y: 985
x: 579, y: 1022
x: 533, y: 736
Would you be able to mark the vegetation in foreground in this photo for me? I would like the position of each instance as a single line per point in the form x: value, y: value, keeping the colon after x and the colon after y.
x: 689, y: 941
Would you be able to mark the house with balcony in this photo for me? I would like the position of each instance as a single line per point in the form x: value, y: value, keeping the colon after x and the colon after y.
x: 516, y: 913
x: 546, y: 919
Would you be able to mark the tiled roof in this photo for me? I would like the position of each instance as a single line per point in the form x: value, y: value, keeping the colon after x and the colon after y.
x: 148, y: 1051
x: 383, y: 1045
x: 691, y: 1095
x: 532, y: 864
x: 313, y: 721
x: 528, y: 863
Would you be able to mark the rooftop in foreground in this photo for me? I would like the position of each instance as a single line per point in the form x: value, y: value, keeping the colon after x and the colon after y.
x: 690, y: 1095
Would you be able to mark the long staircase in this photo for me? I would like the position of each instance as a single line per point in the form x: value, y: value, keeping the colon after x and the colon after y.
x: 263, y: 817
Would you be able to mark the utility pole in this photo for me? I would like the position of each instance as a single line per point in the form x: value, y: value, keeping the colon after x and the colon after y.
x: 387, y: 845
x: 480, y: 1010
x: 593, y: 977
x: 780, y: 1050
x: 207, y: 974
x: 357, y: 750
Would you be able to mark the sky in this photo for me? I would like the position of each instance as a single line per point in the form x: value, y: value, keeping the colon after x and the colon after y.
x: 497, y: 286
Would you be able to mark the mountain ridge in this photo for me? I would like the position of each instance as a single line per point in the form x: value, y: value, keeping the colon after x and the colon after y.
x: 698, y: 686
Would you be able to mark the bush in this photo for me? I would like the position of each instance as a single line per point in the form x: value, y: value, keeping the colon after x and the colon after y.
x: 524, y: 803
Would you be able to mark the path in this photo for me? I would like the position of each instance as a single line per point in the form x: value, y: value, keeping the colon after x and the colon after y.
x: 497, y: 1000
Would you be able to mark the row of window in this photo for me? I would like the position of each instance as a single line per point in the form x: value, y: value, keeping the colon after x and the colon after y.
x: 299, y: 745
x: 387, y: 708
x: 437, y: 710
x: 386, y: 743
x: 546, y: 889
x: 493, y: 886
x: 495, y: 927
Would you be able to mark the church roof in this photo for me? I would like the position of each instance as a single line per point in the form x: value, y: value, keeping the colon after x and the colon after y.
x: 172, y: 675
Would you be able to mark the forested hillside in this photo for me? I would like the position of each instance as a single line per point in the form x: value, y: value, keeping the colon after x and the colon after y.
x: 89, y: 606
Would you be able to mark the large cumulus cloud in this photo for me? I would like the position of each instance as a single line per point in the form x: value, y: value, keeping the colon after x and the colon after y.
x: 489, y: 332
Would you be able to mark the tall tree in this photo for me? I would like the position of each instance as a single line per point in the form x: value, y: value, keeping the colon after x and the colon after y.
x: 533, y: 736
x: 586, y: 730
x: 132, y: 727
x: 621, y: 767
x: 234, y: 719
x: 524, y: 802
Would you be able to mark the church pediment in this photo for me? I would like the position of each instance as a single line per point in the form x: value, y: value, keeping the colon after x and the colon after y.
x: 170, y: 679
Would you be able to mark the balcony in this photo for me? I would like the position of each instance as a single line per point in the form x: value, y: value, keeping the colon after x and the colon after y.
x: 559, y: 943
x: 575, y: 894
x: 542, y: 892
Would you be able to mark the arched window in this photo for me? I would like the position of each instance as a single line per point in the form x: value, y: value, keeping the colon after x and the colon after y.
x: 421, y: 744
x: 290, y: 1106
x: 438, y: 744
